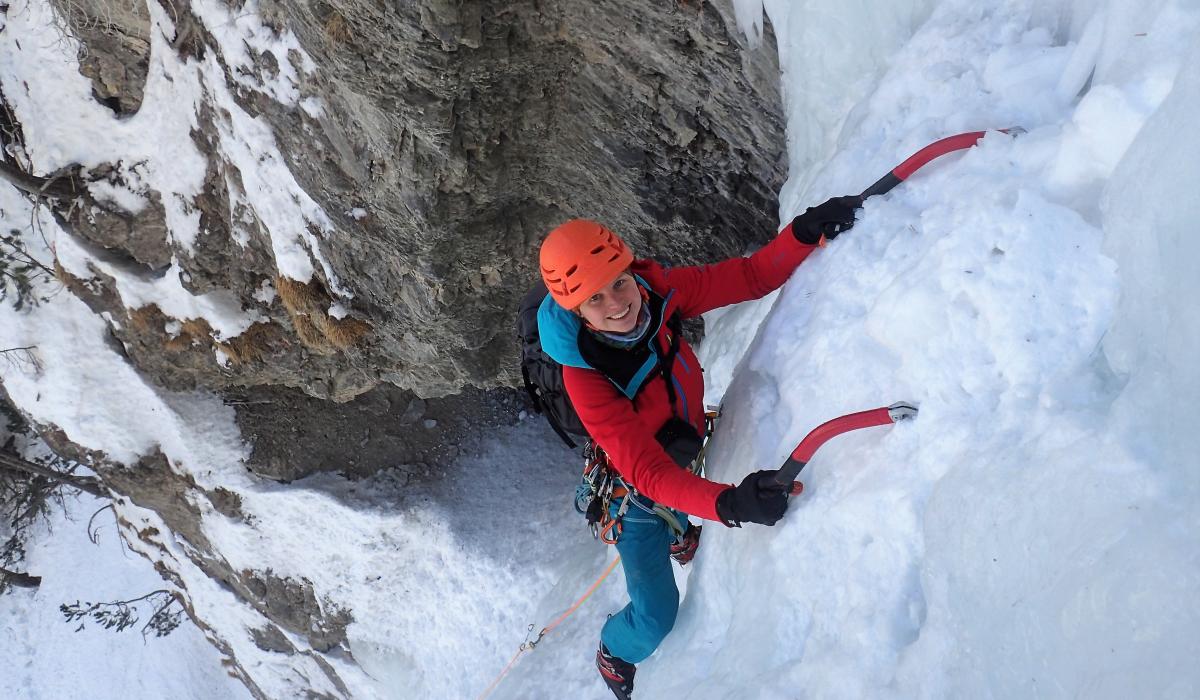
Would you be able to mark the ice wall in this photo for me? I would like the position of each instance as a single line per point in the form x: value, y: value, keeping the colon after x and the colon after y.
x: 1150, y: 215
x: 833, y: 54
x: 1033, y: 534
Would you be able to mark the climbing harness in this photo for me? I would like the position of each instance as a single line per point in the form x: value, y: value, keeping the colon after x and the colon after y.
x: 604, y: 497
x: 529, y: 645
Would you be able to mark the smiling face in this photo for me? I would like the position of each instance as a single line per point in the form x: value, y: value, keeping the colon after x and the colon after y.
x: 614, y: 307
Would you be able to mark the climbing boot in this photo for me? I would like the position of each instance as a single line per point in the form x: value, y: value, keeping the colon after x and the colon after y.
x: 617, y: 673
x: 684, y: 548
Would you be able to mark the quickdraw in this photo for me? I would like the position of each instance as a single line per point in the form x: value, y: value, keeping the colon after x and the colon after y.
x: 601, y: 486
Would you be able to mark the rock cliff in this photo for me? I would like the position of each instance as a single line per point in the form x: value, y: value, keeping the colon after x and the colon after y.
x: 438, y: 142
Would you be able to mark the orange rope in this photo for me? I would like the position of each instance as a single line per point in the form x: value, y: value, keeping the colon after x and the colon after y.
x: 528, y: 645
x: 579, y: 602
x: 503, y: 673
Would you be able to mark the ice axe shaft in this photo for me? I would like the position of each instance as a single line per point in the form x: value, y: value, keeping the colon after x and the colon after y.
x: 917, y: 160
x: 830, y: 429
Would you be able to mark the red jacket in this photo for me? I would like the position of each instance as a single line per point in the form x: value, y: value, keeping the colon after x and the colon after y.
x: 625, y: 429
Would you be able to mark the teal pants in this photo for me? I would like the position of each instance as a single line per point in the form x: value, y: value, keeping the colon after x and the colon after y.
x: 645, y: 548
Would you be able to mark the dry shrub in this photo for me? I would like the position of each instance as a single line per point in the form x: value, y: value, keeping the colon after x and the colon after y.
x: 75, y: 285
x: 150, y: 320
x: 307, y: 305
x: 301, y: 297
x: 311, y: 336
x: 344, y: 333
x: 147, y: 319
x: 178, y: 343
x: 197, y: 328
x: 257, y: 342
x: 191, y: 332
x: 254, y: 344
x: 337, y: 29
x: 61, y: 274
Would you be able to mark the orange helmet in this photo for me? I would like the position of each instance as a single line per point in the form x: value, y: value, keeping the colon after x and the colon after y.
x: 578, y: 258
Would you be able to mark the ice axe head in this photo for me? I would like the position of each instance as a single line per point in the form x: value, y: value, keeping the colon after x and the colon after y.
x: 901, y: 411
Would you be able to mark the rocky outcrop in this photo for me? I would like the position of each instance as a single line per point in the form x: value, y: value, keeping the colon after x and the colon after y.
x: 442, y: 140
x: 293, y: 435
x: 116, y: 37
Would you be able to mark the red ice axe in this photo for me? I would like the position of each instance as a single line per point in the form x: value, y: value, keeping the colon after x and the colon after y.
x: 830, y: 429
x: 918, y: 160
x: 898, y: 411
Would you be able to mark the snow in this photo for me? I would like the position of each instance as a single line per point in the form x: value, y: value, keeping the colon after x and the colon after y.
x: 221, y: 309
x: 1149, y: 210
x: 824, y: 79
x: 266, y: 292
x: 63, y: 124
x: 243, y: 34
x: 1011, y: 542
x: 387, y: 537
x: 154, y: 148
x: 337, y: 310
x: 1033, y: 533
x: 282, y: 208
x: 47, y: 659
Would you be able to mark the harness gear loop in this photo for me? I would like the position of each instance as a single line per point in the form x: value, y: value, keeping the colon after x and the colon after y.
x: 601, y: 485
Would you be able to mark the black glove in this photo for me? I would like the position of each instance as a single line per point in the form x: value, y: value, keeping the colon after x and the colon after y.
x: 758, y: 499
x: 828, y: 219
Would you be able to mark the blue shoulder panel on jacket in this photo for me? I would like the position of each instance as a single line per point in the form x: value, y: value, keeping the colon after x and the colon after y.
x: 559, y: 333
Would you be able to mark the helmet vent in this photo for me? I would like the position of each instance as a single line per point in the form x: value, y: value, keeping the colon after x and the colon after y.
x: 580, y: 256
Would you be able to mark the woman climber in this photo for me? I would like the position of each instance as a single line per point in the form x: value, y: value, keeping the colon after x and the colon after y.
x: 612, y: 322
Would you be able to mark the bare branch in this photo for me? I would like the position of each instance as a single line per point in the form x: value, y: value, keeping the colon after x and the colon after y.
x: 94, y: 535
x: 61, y: 185
x: 23, y: 255
x: 18, y: 579
x: 83, y: 483
x: 22, y: 355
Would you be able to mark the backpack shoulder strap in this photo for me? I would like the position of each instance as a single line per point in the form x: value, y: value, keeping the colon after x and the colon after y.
x: 541, y: 374
x: 674, y: 331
